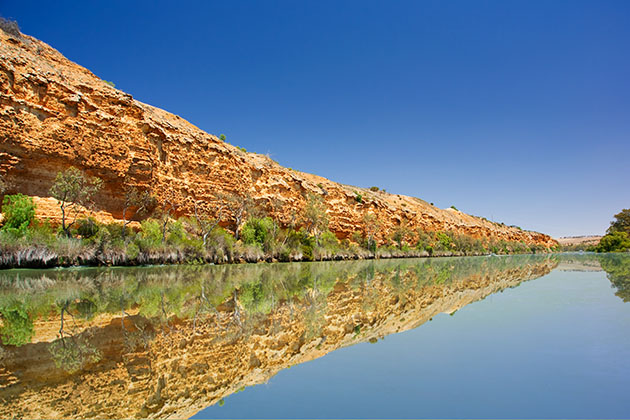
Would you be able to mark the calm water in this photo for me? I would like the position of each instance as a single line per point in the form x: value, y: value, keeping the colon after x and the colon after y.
x: 480, y: 337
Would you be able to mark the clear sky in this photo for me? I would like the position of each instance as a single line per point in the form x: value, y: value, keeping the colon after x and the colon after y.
x: 514, y: 110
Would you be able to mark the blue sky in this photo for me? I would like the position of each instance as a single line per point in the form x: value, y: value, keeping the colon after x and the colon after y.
x: 514, y: 110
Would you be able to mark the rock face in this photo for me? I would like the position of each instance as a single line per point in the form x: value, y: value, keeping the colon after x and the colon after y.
x: 55, y: 114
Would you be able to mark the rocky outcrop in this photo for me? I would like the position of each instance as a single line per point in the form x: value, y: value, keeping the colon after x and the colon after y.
x: 55, y: 114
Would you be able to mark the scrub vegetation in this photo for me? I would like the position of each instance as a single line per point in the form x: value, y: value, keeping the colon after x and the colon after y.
x: 237, y: 231
x: 617, y: 238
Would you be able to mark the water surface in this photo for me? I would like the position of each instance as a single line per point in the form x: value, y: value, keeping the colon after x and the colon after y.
x: 511, y: 337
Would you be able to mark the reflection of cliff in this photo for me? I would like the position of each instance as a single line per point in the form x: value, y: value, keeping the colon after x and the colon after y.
x: 172, y: 348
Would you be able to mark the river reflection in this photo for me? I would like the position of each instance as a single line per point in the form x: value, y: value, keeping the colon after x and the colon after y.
x: 170, y: 341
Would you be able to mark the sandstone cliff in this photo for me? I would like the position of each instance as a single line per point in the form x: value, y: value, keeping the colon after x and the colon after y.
x: 55, y: 114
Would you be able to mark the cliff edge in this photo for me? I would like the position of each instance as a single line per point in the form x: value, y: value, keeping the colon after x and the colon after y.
x: 55, y: 114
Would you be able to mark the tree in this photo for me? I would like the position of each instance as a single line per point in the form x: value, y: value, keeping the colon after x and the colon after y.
x: 371, y: 225
x: 71, y: 189
x: 165, y: 215
x: 621, y: 222
x: 241, y: 207
x: 258, y: 231
x: 18, y: 210
x: 315, y: 215
x: 614, y: 242
x: 204, y: 222
x: 222, y: 137
x: 400, y: 233
x: 137, y: 203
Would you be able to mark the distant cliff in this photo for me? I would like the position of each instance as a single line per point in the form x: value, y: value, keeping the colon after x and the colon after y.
x: 55, y: 114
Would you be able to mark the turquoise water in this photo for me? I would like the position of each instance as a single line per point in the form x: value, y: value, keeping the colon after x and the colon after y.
x: 538, y: 336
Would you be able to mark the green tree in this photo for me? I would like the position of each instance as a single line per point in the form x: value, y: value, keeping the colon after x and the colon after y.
x: 137, y: 203
x: 315, y: 215
x: 614, y: 242
x: 18, y: 210
x: 621, y: 222
x: 222, y: 137
x: 371, y: 225
x: 71, y: 189
x: 241, y: 207
x: 400, y: 233
x: 258, y: 231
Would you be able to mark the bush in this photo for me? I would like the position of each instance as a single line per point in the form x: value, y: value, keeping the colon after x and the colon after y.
x: 177, y: 234
x: 132, y: 251
x: 444, y: 240
x: 18, y: 210
x: 614, y: 242
x: 358, y: 197
x: 374, y: 189
x: 87, y: 228
x: 329, y: 241
x: 258, y: 231
x: 150, y: 234
x: 222, y: 137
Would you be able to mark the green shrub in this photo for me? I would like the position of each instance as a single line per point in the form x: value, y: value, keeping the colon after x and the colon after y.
x: 329, y: 241
x: 258, y: 231
x: 87, y: 228
x: 356, y: 237
x: 150, y: 233
x: 445, y: 241
x: 18, y: 210
x: 222, y: 137
x: 614, y: 242
x: 374, y: 189
x: 358, y: 197
x: 132, y: 251
x: 177, y: 234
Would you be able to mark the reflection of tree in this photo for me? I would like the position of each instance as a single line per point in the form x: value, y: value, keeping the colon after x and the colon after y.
x: 72, y: 352
x: 617, y: 267
x: 315, y: 312
x: 17, y: 326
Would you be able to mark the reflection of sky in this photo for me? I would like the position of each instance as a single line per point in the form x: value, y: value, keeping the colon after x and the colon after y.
x: 512, y: 110
x: 555, y: 347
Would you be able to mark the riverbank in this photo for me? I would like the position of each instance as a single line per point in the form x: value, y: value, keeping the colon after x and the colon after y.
x: 26, y: 242
x: 74, y: 252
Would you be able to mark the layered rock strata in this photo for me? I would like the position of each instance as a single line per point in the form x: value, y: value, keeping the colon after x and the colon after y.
x: 55, y: 114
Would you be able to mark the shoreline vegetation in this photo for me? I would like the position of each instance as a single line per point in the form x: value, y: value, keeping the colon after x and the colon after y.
x: 617, y: 238
x: 161, y: 238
